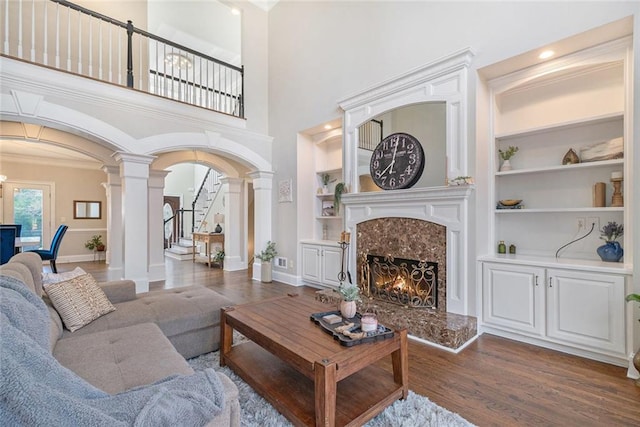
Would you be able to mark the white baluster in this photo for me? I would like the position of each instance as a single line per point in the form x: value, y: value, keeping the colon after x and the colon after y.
x: 45, y: 54
x: 33, y: 31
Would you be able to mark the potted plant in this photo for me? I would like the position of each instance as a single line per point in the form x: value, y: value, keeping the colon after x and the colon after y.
x: 95, y: 243
x: 611, y: 251
x: 636, y: 357
x: 266, y: 256
x: 326, y: 180
x: 218, y: 257
x: 505, y: 156
x: 350, y: 294
x: 340, y: 189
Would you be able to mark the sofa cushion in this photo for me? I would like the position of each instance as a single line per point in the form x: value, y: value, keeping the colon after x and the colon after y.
x: 79, y: 301
x: 121, y: 359
x: 49, y: 278
x: 34, y: 263
x: 175, y: 311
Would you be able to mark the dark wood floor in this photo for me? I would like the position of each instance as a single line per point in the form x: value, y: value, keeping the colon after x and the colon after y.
x: 493, y: 382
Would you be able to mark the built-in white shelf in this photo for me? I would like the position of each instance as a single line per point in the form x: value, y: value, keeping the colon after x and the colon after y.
x: 563, y: 168
x: 558, y: 210
x: 562, y: 126
x: 560, y: 262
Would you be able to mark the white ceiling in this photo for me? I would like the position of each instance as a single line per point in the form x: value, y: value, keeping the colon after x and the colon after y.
x: 43, y: 153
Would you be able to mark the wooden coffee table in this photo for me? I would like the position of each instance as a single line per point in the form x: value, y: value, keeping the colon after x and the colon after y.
x: 303, y: 372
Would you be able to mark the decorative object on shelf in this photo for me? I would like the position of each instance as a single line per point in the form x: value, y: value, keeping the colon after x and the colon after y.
x: 617, y: 199
x: 95, y: 243
x: 571, y: 158
x: 509, y: 204
x: 512, y: 249
x: 636, y: 356
x: 285, y: 191
x: 218, y: 219
x: 607, y: 150
x: 328, y: 208
x: 461, y: 180
x: 350, y: 295
x: 502, y: 248
x: 267, y: 256
x: 340, y: 189
x: 611, y: 251
x: 505, y: 156
x: 599, y: 192
x: 397, y: 162
x: 326, y: 180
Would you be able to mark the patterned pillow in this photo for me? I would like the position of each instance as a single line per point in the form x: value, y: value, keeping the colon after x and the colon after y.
x: 79, y: 301
x: 49, y: 278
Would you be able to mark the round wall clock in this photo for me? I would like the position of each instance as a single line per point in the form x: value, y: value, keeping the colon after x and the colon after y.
x: 397, y: 162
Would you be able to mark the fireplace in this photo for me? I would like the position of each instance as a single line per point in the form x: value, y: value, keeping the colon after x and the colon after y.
x: 410, y: 283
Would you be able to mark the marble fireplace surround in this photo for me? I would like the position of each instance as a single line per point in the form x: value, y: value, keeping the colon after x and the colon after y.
x: 444, y: 211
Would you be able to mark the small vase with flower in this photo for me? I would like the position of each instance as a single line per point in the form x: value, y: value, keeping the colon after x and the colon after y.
x: 611, y: 251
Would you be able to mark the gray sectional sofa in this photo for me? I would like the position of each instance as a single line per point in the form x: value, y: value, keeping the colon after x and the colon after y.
x: 138, y: 348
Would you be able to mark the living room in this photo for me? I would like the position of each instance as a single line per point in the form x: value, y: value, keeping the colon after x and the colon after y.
x: 296, y: 95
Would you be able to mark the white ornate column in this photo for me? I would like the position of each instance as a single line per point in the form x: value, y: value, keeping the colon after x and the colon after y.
x: 156, y: 225
x: 134, y: 173
x: 115, y: 253
x: 234, y: 230
x: 262, y: 200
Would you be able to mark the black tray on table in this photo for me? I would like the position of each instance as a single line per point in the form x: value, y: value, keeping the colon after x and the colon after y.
x: 382, y: 333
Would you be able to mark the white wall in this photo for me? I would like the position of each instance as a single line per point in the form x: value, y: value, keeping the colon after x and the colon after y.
x: 321, y: 52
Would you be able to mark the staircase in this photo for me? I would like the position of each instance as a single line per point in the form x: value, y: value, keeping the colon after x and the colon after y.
x: 183, y: 249
x: 205, y: 198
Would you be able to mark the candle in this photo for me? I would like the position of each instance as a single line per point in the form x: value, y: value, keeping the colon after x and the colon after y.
x: 369, y: 322
x: 616, y: 175
x: 347, y: 237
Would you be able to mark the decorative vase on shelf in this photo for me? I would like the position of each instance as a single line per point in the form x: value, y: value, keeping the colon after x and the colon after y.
x: 348, y: 309
x: 610, y: 251
x: 506, y: 166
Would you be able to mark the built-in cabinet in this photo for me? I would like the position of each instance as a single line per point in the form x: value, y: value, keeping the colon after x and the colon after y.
x: 573, y: 309
x: 321, y: 262
x: 554, y: 290
x: 320, y: 254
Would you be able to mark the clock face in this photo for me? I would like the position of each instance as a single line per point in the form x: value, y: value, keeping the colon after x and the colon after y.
x: 397, y: 162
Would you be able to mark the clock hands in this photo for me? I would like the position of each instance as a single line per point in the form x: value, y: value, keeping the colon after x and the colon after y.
x: 393, y: 159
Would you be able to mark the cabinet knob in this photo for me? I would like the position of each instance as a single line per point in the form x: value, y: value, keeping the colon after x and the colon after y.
x: 536, y: 280
x: 550, y: 279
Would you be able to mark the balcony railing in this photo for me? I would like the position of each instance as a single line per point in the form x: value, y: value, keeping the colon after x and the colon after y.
x: 74, y: 39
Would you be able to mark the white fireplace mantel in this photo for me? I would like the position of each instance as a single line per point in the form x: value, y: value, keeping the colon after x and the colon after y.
x: 447, y: 206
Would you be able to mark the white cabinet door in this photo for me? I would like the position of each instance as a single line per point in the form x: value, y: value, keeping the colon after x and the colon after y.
x: 586, y: 309
x: 331, y: 265
x: 311, y: 261
x: 513, y: 297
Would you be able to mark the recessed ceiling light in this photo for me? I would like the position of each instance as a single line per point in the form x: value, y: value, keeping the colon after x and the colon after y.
x: 546, y: 54
x: 327, y: 126
x: 235, y: 11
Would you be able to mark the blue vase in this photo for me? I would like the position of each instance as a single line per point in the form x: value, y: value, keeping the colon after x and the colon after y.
x: 610, y: 252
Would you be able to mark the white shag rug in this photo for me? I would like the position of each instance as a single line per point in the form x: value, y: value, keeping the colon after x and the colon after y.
x: 415, y: 410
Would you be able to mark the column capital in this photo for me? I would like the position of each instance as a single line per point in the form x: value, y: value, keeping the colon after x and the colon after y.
x: 262, y: 180
x: 234, y: 185
x: 156, y: 178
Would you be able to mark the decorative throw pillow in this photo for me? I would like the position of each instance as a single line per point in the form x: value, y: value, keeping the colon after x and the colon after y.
x: 49, y: 278
x: 79, y: 301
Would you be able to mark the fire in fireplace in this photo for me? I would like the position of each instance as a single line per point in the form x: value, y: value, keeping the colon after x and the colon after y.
x: 406, y: 282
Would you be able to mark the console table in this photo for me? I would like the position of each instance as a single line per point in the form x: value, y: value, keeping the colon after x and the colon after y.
x: 209, y: 240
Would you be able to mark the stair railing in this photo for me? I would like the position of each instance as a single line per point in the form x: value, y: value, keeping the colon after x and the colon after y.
x: 71, y: 38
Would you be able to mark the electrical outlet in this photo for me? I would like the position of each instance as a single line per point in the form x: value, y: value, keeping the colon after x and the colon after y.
x: 580, y: 222
x: 593, y: 220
